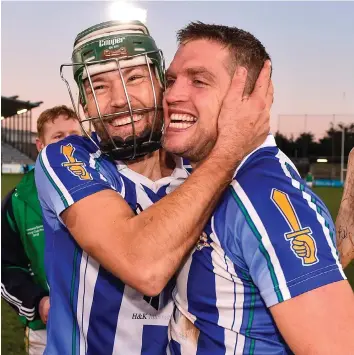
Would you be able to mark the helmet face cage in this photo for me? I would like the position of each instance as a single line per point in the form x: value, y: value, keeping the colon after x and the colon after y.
x: 115, y: 147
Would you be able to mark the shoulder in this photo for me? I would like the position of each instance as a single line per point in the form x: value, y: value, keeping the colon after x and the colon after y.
x: 261, y: 171
x: 268, y: 199
x: 73, y: 154
x: 66, y: 149
x: 72, y: 169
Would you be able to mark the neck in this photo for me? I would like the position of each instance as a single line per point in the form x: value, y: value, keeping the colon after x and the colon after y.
x: 154, y: 166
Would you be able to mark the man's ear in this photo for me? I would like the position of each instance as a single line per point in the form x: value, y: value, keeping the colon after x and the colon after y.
x: 39, y: 144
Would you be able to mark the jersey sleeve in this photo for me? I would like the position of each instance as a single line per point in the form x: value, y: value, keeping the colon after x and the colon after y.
x: 18, y: 287
x: 284, y: 231
x: 65, y: 173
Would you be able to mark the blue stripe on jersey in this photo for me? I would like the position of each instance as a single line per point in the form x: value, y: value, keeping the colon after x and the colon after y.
x: 75, y: 341
x: 131, y: 192
x: 154, y: 197
x: 50, y: 167
x: 65, y: 286
x: 262, y: 249
x: 40, y: 159
x: 250, y: 319
x: 300, y: 278
x: 94, y: 309
x: 320, y: 206
x: 104, y: 313
x: 162, y: 191
x: 175, y: 347
x: 252, y: 261
x: 151, y: 334
x: 203, y: 304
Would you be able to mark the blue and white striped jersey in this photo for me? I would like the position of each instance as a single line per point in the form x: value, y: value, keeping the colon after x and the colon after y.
x: 270, y: 239
x: 93, y: 312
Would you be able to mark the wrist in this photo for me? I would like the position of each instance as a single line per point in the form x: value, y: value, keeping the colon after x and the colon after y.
x: 225, y: 160
x: 38, y: 300
x: 216, y: 171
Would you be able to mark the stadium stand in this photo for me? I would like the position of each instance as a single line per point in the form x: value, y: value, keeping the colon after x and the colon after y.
x: 18, y: 150
x: 11, y: 155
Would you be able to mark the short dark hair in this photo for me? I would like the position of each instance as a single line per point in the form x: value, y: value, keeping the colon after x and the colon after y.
x: 246, y: 50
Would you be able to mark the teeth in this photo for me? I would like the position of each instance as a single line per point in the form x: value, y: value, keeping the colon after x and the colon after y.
x: 182, y: 117
x: 181, y: 125
x: 125, y: 120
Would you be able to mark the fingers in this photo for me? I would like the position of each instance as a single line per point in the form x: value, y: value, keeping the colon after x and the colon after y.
x: 237, y: 85
x: 262, y: 83
x: 299, y: 243
x: 301, y: 248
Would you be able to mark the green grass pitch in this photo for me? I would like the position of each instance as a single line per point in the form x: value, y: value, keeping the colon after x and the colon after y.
x: 12, y: 334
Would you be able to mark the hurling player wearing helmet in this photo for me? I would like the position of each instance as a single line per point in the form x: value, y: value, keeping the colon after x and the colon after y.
x: 118, y: 224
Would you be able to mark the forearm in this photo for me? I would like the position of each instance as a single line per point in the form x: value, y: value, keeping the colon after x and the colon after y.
x: 171, y: 227
x: 145, y: 250
x: 345, y: 232
x: 345, y: 218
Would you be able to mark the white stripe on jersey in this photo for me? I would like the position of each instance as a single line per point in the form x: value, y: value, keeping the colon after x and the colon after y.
x: 29, y: 313
x: 265, y: 239
x: 181, y: 328
x: 229, y: 295
x: 92, y: 163
x: 129, y: 328
x: 132, y: 303
x: 284, y: 159
x: 122, y: 190
x: 89, y: 269
x: 55, y: 178
x: 181, y: 298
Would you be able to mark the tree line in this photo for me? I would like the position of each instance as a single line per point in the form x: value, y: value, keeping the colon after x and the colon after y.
x: 330, y: 145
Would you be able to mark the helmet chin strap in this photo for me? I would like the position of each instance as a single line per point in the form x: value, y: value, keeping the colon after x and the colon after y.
x: 125, y: 148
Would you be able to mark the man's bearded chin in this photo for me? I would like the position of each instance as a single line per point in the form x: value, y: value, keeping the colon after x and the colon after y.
x: 143, y: 144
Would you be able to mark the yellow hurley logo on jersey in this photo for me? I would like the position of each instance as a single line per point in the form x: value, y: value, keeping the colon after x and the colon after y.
x: 76, y: 167
x: 301, y: 241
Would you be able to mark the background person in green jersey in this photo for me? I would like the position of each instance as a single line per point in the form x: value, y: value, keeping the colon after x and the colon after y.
x: 309, y: 179
x: 24, y: 285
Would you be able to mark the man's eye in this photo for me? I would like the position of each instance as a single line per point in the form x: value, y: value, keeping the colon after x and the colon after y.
x: 134, y: 78
x: 170, y: 82
x: 199, y: 82
x: 98, y: 87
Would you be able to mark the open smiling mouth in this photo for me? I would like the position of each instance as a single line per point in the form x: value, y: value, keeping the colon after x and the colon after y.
x: 182, y: 121
x: 122, y: 121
